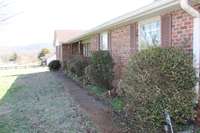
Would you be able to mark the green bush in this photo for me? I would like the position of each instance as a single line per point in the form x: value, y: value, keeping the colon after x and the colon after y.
x: 100, y: 71
x: 96, y: 90
x: 158, y: 80
x: 54, y: 65
x: 67, y: 64
x: 117, y: 103
x: 87, y: 76
x: 76, y: 65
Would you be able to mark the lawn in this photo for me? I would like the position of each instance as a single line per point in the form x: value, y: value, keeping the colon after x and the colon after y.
x: 35, y: 101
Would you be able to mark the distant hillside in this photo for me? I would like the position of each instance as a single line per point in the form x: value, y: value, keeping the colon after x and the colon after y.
x: 25, y: 54
x: 32, y: 48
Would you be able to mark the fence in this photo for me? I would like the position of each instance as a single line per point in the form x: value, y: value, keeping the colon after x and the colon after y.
x: 18, y: 67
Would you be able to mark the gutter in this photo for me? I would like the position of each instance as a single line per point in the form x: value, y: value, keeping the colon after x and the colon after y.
x: 196, y: 38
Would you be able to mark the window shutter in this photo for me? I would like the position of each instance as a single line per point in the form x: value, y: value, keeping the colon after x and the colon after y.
x: 133, y: 37
x: 98, y: 42
x: 109, y: 41
x: 166, y: 30
x: 81, y: 48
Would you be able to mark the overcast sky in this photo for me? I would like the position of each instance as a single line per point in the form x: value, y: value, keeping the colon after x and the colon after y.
x: 39, y: 18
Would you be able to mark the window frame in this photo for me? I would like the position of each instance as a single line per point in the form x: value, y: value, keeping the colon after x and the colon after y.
x: 101, y: 41
x: 145, y: 22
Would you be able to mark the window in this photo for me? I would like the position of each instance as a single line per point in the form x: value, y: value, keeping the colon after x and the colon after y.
x: 86, y: 50
x: 104, y: 41
x: 149, y: 33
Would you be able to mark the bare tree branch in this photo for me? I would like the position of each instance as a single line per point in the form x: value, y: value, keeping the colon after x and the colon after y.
x: 6, y: 11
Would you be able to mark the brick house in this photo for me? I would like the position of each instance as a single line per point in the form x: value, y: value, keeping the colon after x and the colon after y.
x: 163, y: 23
x: 60, y: 37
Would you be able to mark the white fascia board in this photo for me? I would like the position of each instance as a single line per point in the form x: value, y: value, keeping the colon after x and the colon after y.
x: 153, y: 9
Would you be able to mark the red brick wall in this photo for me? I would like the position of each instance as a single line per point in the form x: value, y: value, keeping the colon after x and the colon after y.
x: 69, y: 50
x: 66, y: 51
x: 94, y: 42
x: 182, y: 24
x: 120, y: 48
x: 182, y: 29
x: 75, y: 49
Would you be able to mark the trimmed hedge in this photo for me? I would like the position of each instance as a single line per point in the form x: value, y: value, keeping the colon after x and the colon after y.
x: 54, y: 65
x: 158, y: 80
x: 117, y: 104
x: 76, y: 65
x: 100, y: 71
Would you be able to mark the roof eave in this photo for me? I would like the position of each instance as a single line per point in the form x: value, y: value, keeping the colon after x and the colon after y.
x: 152, y: 9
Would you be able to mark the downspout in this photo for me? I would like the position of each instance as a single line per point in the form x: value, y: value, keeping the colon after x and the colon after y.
x: 196, y: 38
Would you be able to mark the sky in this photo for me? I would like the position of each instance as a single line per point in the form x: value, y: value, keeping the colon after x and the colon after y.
x: 36, y: 20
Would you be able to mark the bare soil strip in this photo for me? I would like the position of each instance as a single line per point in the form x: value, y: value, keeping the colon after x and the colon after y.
x: 99, y: 113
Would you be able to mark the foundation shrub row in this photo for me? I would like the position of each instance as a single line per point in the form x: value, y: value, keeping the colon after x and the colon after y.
x: 96, y: 70
x: 156, y: 81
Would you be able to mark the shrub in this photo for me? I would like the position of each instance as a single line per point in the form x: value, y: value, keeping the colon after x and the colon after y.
x: 54, y: 65
x: 87, y: 76
x: 158, y: 80
x: 100, y: 72
x: 96, y: 90
x: 67, y: 64
x: 76, y: 65
x: 117, y: 103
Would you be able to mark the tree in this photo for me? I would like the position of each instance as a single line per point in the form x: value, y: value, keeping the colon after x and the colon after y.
x: 6, y: 11
x: 43, y: 55
x: 13, y: 57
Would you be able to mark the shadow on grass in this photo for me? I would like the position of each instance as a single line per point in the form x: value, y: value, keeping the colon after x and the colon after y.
x: 14, y: 103
x: 38, y: 103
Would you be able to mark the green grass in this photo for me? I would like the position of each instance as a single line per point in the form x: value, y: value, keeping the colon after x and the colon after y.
x: 198, y: 131
x: 5, y: 84
x: 7, y: 90
x: 117, y: 103
x: 96, y: 90
x: 16, y: 72
x: 34, y: 101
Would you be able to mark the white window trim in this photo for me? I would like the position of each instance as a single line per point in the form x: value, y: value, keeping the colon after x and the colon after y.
x: 100, y: 41
x: 146, y: 21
